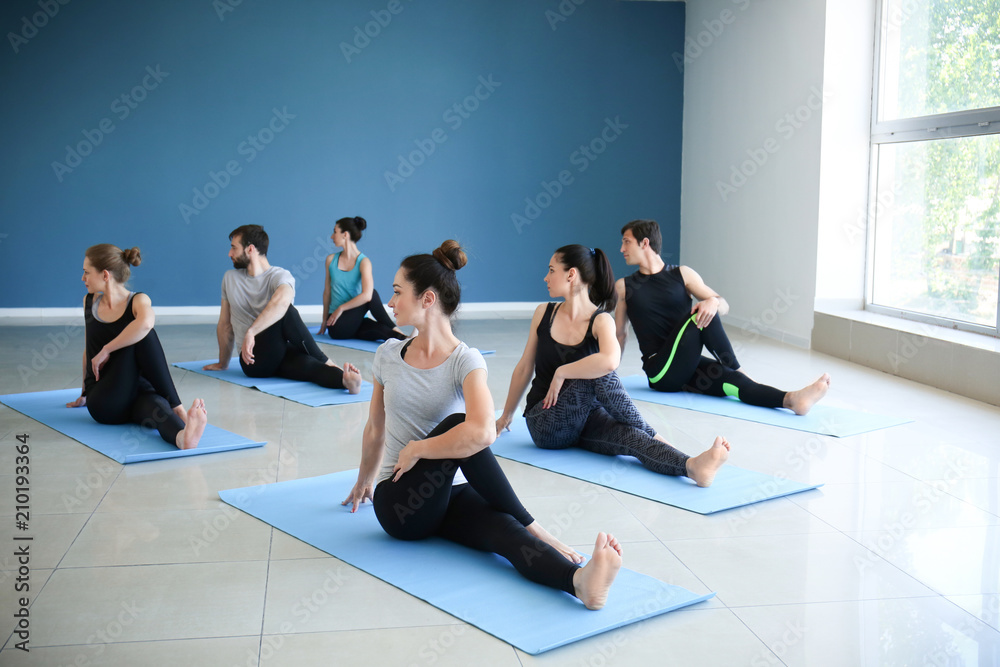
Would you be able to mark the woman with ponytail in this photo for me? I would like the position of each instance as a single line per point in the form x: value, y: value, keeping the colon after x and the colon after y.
x: 428, y: 436
x: 577, y: 398
x: 125, y: 374
x: 349, y: 292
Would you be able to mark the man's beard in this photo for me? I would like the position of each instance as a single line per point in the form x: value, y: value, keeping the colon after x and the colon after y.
x: 241, y: 262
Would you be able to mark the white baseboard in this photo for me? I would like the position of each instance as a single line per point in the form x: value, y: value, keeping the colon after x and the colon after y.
x: 503, y: 310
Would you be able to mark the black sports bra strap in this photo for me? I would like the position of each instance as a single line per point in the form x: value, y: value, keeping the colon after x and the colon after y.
x: 590, y: 327
x: 402, y: 351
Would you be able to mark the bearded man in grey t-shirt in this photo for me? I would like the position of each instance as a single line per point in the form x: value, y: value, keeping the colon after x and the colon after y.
x: 257, y: 310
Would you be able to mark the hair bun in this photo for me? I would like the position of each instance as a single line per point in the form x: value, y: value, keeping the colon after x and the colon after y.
x: 360, y: 223
x: 132, y: 256
x: 451, y: 255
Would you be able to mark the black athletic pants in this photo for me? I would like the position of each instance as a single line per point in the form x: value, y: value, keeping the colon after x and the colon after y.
x: 287, y: 349
x: 136, y: 387
x: 679, y: 366
x: 354, y: 324
x: 484, y: 514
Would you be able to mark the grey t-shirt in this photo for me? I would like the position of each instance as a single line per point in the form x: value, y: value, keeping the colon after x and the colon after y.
x: 418, y: 399
x: 248, y: 296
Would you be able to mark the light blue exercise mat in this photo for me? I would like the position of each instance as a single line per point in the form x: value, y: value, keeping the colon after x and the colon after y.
x: 733, y: 487
x: 125, y: 443
x: 363, y: 345
x: 479, y: 588
x: 305, y: 393
x: 822, y: 419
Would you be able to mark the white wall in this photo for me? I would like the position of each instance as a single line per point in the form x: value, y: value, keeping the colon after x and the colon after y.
x: 751, y: 67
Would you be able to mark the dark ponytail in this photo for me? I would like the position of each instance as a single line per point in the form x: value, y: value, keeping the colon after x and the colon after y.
x: 595, y: 272
x: 437, y: 272
x: 353, y: 226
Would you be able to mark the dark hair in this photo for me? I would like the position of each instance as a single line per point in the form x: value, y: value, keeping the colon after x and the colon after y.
x: 645, y: 229
x: 437, y: 272
x: 353, y: 226
x: 114, y: 260
x: 251, y: 235
x: 595, y: 272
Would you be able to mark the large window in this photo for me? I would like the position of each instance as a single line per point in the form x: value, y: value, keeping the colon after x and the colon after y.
x: 934, y: 251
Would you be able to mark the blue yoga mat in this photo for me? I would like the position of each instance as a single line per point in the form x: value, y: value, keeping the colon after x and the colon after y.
x: 822, y: 419
x: 479, y: 588
x: 125, y: 443
x: 733, y: 487
x: 364, y: 345
x: 305, y: 393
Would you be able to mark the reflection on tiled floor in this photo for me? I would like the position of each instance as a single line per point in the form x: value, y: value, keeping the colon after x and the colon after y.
x: 895, y: 561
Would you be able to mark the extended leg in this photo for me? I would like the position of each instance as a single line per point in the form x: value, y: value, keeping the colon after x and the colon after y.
x: 604, y: 434
x: 714, y: 379
x: 153, y: 411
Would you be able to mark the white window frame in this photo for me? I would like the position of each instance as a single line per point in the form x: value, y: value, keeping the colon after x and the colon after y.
x: 970, y: 123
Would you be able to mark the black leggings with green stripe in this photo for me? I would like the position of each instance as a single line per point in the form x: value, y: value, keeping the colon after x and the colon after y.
x: 680, y: 366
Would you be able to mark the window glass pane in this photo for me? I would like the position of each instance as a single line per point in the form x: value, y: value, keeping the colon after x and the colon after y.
x: 939, y: 56
x: 937, y: 227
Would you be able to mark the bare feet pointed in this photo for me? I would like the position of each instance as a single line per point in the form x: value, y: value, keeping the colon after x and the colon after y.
x: 592, y: 582
x: 352, y: 378
x: 702, y: 468
x: 800, y: 402
x: 197, y: 419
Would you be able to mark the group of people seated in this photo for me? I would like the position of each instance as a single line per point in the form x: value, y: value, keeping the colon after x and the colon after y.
x: 431, y: 418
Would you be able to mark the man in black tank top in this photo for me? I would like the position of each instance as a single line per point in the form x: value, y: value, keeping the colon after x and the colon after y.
x: 656, y: 300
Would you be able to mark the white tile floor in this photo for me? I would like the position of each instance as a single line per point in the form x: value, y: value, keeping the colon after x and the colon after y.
x: 895, y: 561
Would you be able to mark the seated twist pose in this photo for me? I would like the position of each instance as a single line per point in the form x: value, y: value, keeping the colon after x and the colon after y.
x: 671, y: 332
x: 430, y: 426
x: 576, y: 397
x: 349, y: 293
x: 125, y: 374
x: 257, y: 311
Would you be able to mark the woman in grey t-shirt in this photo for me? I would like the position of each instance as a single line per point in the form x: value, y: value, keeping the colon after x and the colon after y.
x: 426, y: 464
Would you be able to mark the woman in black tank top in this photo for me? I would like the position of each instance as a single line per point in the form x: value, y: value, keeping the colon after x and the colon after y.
x: 125, y: 374
x: 577, y: 398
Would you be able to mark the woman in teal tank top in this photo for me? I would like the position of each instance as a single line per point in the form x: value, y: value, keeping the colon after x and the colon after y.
x: 349, y: 293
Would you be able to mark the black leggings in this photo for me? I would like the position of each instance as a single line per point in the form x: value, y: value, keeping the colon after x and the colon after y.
x: 353, y: 323
x: 287, y: 349
x: 136, y: 387
x: 679, y: 366
x: 484, y: 514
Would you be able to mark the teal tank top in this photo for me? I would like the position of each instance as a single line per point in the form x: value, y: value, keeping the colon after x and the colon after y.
x: 344, y: 285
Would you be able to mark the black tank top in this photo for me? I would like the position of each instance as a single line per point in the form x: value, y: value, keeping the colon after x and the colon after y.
x: 550, y: 354
x: 655, y: 305
x: 100, y: 333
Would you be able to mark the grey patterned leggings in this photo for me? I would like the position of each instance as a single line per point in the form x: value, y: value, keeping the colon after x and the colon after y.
x: 599, y: 416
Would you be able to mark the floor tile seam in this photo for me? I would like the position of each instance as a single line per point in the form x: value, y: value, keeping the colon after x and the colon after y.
x: 67, y: 568
x: 841, y: 530
x: 92, y: 646
x: 689, y: 570
x: 892, y: 565
x: 263, y: 606
x: 73, y: 541
x: 767, y: 647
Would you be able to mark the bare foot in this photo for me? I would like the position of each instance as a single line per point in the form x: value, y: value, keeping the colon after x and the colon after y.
x: 352, y: 378
x: 543, y: 535
x: 182, y: 413
x: 702, y: 468
x: 801, y: 401
x: 593, y: 581
x: 197, y: 419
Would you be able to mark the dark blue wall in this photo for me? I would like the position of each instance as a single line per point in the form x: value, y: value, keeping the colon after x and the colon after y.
x: 222, y: 80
